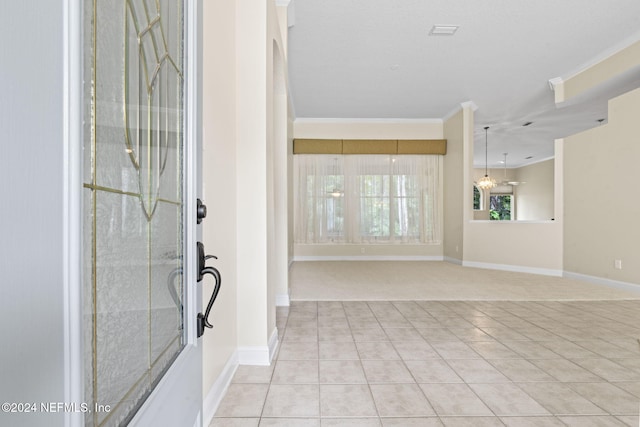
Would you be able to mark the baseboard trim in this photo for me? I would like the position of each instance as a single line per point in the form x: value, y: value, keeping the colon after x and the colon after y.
x: 514, y: 268
x: 371, y: 258
x: 274, y: 342
x: 260, y: 355
x: 282, y: 300
x: 254, y: 355
x: 603, y: 281
x: 219, y: 389
x: 453, y: 260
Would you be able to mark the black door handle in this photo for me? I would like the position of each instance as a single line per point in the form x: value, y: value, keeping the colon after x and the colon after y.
x: 203, y: 319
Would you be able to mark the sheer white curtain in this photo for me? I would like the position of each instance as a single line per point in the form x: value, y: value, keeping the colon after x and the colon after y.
x: 368, y: 204
x: 366, y: 198
x: 318, y: 186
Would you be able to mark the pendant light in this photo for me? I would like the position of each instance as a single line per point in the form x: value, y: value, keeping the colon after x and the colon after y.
x: 336, y: 192
x: 505, y: 181
x: 485, y: 183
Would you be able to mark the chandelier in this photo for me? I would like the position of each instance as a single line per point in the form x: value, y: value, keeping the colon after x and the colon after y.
x: 486, y: 182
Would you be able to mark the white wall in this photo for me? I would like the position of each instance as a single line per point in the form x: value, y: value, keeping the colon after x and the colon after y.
x: 251, y: 172
x: 535, y: 196
x: 219, y: 176
x: 35, y: 267
x: 239, y: 93
x: 280, y: 196
x: 515, y: 246
x: 454, y: 165
x: 245, y: 164
x: 601, y: 200
x: 600, y: 169
x: 368, y: 128
x: 277, y: 160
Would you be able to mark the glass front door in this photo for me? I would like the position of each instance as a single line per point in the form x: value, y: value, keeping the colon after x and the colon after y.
x: 134, y: 202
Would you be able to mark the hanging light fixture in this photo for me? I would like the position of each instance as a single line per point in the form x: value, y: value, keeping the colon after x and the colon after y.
x: 505, y: 181
x: 336, y: 192
x: 486, y: 182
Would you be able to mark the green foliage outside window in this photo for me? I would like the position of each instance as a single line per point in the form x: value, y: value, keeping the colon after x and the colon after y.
x: 500, y: 207
x: 476, y: 199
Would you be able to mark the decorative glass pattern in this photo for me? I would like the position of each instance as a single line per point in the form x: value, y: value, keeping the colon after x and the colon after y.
x: 133, y: 225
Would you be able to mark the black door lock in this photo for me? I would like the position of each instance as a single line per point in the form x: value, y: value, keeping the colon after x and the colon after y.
x: 203, y: 319
x: 201, y: 211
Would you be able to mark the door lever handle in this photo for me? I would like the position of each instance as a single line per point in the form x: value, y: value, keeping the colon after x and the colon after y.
x: 203, y: 319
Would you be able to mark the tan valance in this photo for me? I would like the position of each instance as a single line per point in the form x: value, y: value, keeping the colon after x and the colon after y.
x: 317, y: 146
x: 369, y: 146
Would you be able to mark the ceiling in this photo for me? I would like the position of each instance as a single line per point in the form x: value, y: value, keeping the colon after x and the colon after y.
x: 375, y: 59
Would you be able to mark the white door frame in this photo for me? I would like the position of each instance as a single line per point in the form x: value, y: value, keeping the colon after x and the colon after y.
x: 72, y: 206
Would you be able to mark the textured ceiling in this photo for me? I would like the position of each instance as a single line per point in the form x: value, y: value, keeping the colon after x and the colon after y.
x: 375, y: 59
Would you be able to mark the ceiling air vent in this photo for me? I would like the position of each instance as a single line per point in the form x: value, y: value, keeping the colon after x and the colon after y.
x: 443, y: 30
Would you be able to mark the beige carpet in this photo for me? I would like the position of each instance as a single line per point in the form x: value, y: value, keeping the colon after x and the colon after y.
x: 434, y: 280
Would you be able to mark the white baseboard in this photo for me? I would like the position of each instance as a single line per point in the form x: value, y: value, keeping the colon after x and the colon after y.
x: 453, y: 260
x: 257, y: 355
x: 602, y: 281
x: 514, y: 268
x: 219, y: 389
x: 260, y: 355
x: 370, y: 258
x: 274, y: 342
x: 254, y: 355
x: 282, y: 300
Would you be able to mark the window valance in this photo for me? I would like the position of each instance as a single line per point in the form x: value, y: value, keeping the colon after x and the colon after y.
x: 369, y: 146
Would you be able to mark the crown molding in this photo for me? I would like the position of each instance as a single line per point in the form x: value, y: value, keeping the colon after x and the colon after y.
x: 618, y: 47
x: 468, y: 104
x: 291, y: 11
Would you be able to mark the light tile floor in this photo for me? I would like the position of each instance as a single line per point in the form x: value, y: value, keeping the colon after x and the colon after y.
x: 445, y: 363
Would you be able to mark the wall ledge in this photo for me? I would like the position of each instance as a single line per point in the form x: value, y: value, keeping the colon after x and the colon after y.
x: 219, y: 389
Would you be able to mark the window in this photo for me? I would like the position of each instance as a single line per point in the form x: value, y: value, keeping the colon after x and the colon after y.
x: 477, y: 198
x: 500, y: 207
x: 325, y: 204
x: 366, y: 198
